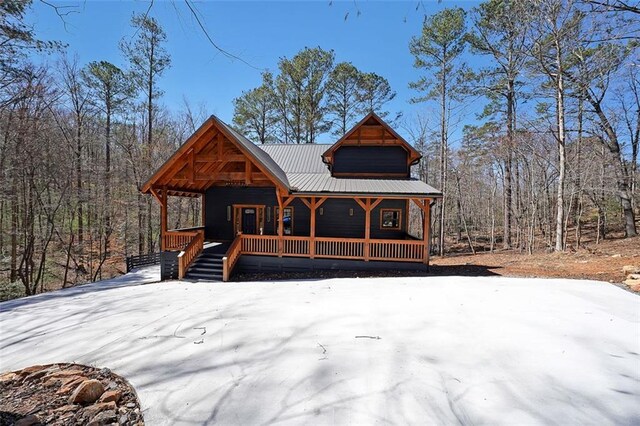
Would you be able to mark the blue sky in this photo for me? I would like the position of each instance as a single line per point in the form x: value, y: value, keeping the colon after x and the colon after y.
x: 259, y: 32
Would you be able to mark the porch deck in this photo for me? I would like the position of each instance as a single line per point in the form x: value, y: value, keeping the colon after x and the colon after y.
x: 191, y: 243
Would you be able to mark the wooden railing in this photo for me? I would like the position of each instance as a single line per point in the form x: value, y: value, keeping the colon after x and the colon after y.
x: 231, y: 257
x: 191, y: 251
x: 341, y: 248
x: 327, y: 248
x: 399, y: 251
x: 177, y: 240
x: 296, y: 246
x: 337, y: 248
x: 259, y: 244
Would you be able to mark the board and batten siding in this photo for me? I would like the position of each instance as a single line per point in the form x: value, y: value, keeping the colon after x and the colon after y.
x: 335, y: 220
x: 379, y: 160
x: 217, y: 227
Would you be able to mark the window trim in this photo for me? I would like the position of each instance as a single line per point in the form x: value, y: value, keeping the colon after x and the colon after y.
x: 391, y: 228
x: 276, y: 217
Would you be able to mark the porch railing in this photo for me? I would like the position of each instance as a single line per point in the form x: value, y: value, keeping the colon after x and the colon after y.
x: 178, y: 239
x: 231, y: 257
x: 324, y: 248
x: 399, y: 251
x: 190, y: 252
x: 189, y: 243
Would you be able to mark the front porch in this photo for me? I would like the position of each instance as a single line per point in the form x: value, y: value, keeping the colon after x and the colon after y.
x: 190, y: 243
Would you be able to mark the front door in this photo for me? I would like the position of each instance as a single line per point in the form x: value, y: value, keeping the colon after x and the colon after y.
x: 249, y: 220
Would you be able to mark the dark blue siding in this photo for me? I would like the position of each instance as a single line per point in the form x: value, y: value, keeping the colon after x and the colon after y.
x: 335, y: 220
x: 217, y: 227
x: 371, y: 159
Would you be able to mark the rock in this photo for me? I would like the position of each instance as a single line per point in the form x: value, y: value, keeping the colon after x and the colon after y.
x: 64, y: 373
x: 32, y: 369
x: 112, y: 395
x: 103, y: 418
x: 8, y: 377
x: 131, y: 405
x: 70, y: 383
x: 66, y: 408
x: 112, y: 385
x: 633, y: 284
x: 123, y: 420
x: 617, y: 255
x: 28, y: 421
x: 87, y: 391
x: 35, y: 376
x: 633, y: 277
x: 92, y: 410
x: 630, y: 269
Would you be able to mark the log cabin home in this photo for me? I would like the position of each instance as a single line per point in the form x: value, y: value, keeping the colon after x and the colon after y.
x: 293, y: 207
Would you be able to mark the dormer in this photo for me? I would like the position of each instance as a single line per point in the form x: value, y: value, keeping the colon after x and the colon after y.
x: 371, y: 149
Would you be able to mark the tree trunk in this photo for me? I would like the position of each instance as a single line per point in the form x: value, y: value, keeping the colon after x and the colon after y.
x: 562, y: 155
x: 443, y: 157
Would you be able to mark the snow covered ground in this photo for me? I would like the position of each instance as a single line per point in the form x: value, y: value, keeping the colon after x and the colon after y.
x: 451, y: 350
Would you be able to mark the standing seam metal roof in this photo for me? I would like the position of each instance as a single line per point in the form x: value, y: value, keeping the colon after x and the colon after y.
x: 307, y: 173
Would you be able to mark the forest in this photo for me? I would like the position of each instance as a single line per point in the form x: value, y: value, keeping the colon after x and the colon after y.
x: 553, y: 160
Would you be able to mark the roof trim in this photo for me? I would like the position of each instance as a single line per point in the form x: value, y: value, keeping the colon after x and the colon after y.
x: 401, y: 195
x: 413, y: 153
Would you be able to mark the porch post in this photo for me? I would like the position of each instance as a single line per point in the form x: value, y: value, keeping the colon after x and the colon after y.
x: 367, y: 229
x: 280, y: 224
x: 426, y: 223
x: 203, y: 207
x: 312, y: 236
x: 163, y: 216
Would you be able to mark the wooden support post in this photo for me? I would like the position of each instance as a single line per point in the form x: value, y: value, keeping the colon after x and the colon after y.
x: 426, y: 228
x: 203, y: 208
x: 163, y: 217
x: 367, y: 229
x: 312, y: 236
x: 280, y: 224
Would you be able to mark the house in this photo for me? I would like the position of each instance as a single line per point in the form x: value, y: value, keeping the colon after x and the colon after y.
x: 302, y: 207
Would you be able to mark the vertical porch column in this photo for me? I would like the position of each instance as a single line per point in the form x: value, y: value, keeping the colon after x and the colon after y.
x: 312, y: 234
x: 163, y: 217
x: 280, y: 224
x: 367, y: 229
x: 313, y: 203
x: 426, y: 223
x: 203, y: 208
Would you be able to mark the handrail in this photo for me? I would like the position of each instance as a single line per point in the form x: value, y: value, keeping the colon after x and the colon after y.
x: 190, y: 252
x: 189, y: 229
x: 231, y: 257
x: 178, y: 240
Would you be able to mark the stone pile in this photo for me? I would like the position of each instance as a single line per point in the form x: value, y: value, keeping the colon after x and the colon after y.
x: 632, y: 277
x: 67, y: 394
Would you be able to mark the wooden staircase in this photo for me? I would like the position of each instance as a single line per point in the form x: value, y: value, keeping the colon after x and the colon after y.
x: 206, y: 267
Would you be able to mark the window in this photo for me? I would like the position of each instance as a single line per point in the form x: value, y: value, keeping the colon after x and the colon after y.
x: 287, y: 220
x: 390, y: 218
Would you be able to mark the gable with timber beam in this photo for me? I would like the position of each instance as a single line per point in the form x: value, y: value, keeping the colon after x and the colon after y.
x: 215, y: 155
x: 371, y: 149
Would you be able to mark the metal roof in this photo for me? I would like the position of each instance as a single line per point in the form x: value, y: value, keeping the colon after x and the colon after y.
x: 308, y: 174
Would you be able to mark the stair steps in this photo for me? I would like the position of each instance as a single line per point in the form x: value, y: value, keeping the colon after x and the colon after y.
x: 206, y: 267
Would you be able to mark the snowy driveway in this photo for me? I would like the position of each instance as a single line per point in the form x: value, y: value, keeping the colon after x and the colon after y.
x: 452, y: 350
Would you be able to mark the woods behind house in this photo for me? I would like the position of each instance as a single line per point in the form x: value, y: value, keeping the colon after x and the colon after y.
x: 554, y: 151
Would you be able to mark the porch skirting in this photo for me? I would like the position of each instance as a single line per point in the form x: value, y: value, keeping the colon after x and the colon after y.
x: 274, y: 264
